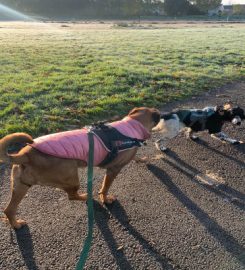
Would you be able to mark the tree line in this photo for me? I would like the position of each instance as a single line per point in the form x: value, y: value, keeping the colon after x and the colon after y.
x: 112, y: 8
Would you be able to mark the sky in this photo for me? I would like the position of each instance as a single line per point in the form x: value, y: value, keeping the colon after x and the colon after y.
x: 230, y: 2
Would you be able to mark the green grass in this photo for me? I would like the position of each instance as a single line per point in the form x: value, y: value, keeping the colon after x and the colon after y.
x: 54, y: 78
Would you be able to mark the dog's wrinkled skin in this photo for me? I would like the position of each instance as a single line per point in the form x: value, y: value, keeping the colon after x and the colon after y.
x: 31, y: 167
x: 170, y: 128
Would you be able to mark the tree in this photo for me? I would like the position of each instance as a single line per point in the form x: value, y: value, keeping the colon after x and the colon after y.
x: 176, y: 7
x: 85, y: 8
x: 132, y: 8
x: 205, y: 5
x: 238, y: 9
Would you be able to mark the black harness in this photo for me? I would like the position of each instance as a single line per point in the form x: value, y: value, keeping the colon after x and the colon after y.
x: 113, y: 141
x: 195, y: 118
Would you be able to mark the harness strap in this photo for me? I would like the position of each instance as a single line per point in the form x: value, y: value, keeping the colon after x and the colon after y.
x: 28, y: 185
x: 193, y: 117
x: 113, y: 141
x: 88, y: 240
x: 202, y: 120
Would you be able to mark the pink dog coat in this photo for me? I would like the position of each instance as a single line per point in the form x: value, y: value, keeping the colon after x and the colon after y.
x: 74, y: 144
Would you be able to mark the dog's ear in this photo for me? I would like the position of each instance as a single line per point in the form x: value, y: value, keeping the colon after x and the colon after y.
x: 243, y: 114
x: 134, y: 110
x: 156, y: 116
x: 239, y: 111
x: 220, y: 110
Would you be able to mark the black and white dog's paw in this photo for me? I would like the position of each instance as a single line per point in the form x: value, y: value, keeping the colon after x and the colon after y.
x: 194, y: 137
x: 232, y: 141
x: 224, y: 138
x: 160, y: 147
x: 163, y: 148
x: 236, y: 142
x: 190, y: 135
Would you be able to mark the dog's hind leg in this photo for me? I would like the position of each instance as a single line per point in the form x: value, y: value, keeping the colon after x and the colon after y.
x: 190, y: 134
x: 73, y: 186
x: 73, y: 194
x: 19, y: 190
x: 161, y: 145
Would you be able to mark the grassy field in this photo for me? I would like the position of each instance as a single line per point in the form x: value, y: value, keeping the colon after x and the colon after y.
x: 61, y: 76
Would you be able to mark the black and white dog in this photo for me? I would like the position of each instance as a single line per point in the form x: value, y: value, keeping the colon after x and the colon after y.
x: 195, y: 120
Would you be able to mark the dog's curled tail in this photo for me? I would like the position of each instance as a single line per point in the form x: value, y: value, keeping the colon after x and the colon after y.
x: 8, y: 140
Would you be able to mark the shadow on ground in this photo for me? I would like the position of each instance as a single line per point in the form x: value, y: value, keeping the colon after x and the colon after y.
x: 103, y: 214
x: 240, y: 147
x: 234, y: 196
x: 24, y: 241
x: 221, y: 235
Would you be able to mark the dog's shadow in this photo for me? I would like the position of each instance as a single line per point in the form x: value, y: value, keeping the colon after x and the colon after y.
x: 24, y: 241
x: 3, y: 170
x: 116, y: 211
x: 239, y: 147
x: 230, y: 244
x: 223, y: 190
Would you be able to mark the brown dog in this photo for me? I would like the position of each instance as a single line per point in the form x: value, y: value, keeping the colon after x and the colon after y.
x: 32, y: 167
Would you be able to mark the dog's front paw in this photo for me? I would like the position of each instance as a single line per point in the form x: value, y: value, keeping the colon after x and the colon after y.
x: 107, y: 199
x: 235, y: 142
x: 14, y: 223
x: 19, y: 223
x: 141, y: 159
x: 163, y: 148
x: 194, y: 138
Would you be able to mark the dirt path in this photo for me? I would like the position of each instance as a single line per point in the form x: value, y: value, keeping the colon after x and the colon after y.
x: 166, y: 217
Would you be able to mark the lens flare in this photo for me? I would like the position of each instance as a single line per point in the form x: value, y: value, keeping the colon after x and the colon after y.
x: 12, y: 14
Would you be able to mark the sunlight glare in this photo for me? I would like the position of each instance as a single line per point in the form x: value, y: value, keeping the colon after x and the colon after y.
x: 14, y: 14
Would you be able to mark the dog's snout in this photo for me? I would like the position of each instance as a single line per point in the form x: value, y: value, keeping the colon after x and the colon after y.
x: 236, y: 121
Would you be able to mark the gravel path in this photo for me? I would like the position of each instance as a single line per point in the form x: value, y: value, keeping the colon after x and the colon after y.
x: 166, y: 216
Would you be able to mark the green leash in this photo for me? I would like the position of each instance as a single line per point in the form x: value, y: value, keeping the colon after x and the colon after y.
x: 88, y: 240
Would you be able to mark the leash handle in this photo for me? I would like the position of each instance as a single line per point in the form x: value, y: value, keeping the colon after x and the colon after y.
x: 89, y: 238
